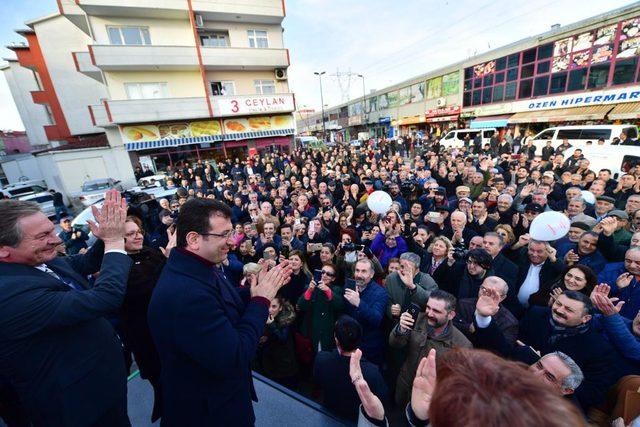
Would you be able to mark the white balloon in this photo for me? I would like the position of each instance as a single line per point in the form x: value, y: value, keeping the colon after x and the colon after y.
x: 379, y: 202
x: 588, y: 197
x: 549, y: 226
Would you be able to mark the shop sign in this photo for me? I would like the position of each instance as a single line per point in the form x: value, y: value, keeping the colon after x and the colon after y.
x: 257, y: 124
x: 493, y: 110
x: 447, y: 111
x: 384, y: 120
x: 615, y: 96
x: 355, y: 120
x: 252, y: 104
x: 169, y: 131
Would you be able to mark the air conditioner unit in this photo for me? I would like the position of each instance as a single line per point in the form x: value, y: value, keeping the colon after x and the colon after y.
x: 441, y: 102
x: 199, y: 21
x: 281, y: 74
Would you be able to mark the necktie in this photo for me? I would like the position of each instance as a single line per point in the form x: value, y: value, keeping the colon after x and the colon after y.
x: 64, y: 280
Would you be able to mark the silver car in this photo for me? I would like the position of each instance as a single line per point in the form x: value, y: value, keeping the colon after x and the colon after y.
x: 32, y: 191
x: 94, y: 190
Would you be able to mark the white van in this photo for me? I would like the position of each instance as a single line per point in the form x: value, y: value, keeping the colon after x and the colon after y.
x: 579, y: 135
x: 619, y: 159
x: 455, y: 138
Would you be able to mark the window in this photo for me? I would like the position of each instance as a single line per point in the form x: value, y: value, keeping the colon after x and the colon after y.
x: 486, y: 95
x: 543, y: 67
x: 540, y: 86
x: 545, y: 51
x: 146, y: 90
x: 477, y: 95
x: 577, y: 80
x: 595, y: 134
x: 510, y: 91
x: 258, y: 38
x: 625, y: 71
x: 547, y: 134
x: 129, y: 35
x: 477, y: 82
x: 468, y: 85
x: 468, y: 73
x: 512, y: 74
x: 632, y: 132
x: 526, y: 71
x: 525, y: 88
x: 513, y: 60
x: 488, y: 80
x: 265, y: 87
x: 529, y: 56
x: 498, y: 93
x: 499, y: 77
x: 558, y: 83
x: 223, y: 88
x: 569, y: 133
x: 466, y: 99
x: 599, y: 75
x: 501, y: 63
x: 217, y: 39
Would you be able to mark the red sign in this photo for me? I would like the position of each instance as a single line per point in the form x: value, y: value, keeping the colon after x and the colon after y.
x: 447, y: 111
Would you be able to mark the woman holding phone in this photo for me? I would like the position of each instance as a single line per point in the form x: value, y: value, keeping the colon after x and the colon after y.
x: 320, y: 305
x: 299, y: 279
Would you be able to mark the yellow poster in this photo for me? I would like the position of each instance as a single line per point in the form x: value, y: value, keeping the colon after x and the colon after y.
x: 143, y: 133
x: 257, y: 124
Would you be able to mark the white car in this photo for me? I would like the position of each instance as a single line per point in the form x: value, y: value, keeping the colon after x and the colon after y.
x: 31, y: 191
x: 92, y: 191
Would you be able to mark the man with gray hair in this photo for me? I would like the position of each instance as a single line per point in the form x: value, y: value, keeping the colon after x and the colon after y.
x: 559, y: 371
x: 408, y: 285
x: 56, y: 347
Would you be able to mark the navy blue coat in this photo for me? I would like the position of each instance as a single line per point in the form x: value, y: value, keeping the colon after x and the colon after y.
x: 206, y: 337
x: 56, y: 348
x: 370, y: 313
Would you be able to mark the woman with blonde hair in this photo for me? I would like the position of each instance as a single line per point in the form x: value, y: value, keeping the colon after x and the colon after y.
x: 506, y: 232
x: 437, y: 265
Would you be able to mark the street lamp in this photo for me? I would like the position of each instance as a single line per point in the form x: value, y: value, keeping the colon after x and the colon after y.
x: 324, y: 130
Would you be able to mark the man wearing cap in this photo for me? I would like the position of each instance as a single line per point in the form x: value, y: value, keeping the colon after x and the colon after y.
x: 621, y: 236
x: 576, y: 228
x: 75, y: 240
x: 604, y: 204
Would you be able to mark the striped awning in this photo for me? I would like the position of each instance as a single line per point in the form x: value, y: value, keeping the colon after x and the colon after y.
x: 628, y: 110
x: 592, y: 112
x: 260, y: 134
x: 162, y: 143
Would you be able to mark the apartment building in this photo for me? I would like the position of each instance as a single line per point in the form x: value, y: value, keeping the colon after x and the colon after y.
x: 186, y: 79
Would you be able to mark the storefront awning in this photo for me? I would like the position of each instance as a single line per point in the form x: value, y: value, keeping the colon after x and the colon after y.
x: 490, y: 122
x: 261, y: 134
x: 170, y: 142
x: 592, y: 112
x: 629, y: 110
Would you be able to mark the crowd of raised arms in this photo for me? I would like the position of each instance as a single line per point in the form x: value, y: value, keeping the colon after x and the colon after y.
x: 451, y: 265
x: 441, y: 311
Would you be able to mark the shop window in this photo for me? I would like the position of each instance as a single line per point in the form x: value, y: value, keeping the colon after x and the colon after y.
x: 545, y: 51
x: 543, y: 67
x: 525, y: 88
x: 513, y: 60
x: 625, y: 71
x: 510, y: 91
x: 488, y: 80
x: 468, y: 84
x: 529, y: 56
x: 477, y: 82
x: 526, y: 71
x: 486, y: 95
x: 466, y: 99
x: 541, y: 86
x: 558, y: 83
x: 498, y: 93
x: 577, y: 80
x: 599, y: 75
x: 468, y: 73
x: 499, y: 77
x: 477, y: 96
x: 512, y: 74
x: 501, y: 63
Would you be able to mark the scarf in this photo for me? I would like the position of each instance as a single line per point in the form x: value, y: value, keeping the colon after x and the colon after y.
x: 560, y: 332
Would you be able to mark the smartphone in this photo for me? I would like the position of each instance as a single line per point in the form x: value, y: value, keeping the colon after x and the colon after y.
x: 359, y: 247
x: 414, y: 310
x: 433, y: 214
x: 312, y: 227
x: 285, y: 251
x: 350, y: 284
x: 317, y: 276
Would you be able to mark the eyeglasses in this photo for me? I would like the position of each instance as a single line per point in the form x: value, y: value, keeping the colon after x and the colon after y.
x: 328, y: 273
x: 225, y: 235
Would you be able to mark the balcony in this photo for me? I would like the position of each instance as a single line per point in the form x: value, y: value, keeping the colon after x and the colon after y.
x: 99, y: 115
x: 258, y: 11
x: 75, y: 14
x: 39, y: 97
x: 53, y: 133
x: 85, y: 66
x: 151, y: 110
x: 235, y: 58
x: 143, y: 58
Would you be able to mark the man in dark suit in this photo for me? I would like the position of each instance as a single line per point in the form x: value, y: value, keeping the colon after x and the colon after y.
x: 502, y: 267
x: 205, y: 330
x: 62, y: 356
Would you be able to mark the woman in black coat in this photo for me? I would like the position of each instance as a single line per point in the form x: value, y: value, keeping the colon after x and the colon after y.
x: 145, y: 271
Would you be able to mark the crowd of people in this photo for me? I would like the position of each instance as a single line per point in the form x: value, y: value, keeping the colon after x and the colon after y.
x: 442, y: 310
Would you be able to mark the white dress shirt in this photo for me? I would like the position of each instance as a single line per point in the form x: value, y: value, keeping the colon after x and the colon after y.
x: 531, y: 284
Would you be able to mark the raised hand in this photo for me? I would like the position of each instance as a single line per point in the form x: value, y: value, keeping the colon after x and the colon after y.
x: 624, y: 280
x: 370, y: 402
x: 606, y: 305
x: 488, y: 303
x: 109, y: 220
x: 555, y: 293
x: 423, y: 386
x: 268, y: 281
x: 172, y: 235
x: 406, y: 322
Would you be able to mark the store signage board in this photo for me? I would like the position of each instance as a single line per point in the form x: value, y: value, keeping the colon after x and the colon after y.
x: 601, y: 97
x: 252, y: 104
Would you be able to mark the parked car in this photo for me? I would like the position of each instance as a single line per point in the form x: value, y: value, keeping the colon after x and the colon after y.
x: 33, y: 191
x: 94, y: 190
x: 619, y: 159
x: 455, y: 138
x: 579, y: 135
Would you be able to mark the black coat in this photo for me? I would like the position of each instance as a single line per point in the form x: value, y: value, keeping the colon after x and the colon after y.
x: 63, y: 357
x: 501, y: 334
x: 505, y: 269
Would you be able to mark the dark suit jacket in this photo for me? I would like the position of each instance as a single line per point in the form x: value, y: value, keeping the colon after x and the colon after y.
x: 206, y: 338
x: 63, y: 357
x: 505, y: 269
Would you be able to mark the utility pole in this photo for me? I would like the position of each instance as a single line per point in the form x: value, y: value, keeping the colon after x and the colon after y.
x: 363, y: 99
x: 324, y: 130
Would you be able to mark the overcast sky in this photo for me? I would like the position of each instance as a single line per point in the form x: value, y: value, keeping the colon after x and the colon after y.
x: 386, y: 41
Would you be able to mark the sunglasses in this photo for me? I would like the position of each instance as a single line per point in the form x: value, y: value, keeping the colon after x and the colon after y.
x: 328, y: 273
